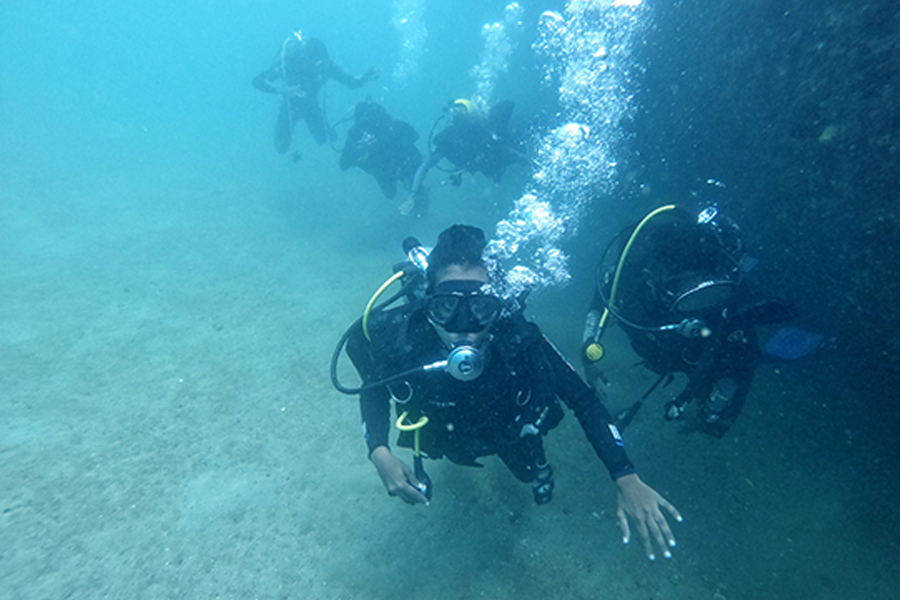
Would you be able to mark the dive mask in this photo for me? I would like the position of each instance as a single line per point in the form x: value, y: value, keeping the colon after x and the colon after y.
x: 460, y: 306
x: 700, y: 295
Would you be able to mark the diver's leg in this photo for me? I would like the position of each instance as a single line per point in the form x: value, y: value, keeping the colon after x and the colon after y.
x: 315, y: 121
x: 725, y: 399
x: 527, y: 462
x: 726, y: 403
x: 284, y: 128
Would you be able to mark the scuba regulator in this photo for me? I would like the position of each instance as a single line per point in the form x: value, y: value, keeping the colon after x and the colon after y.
x: 675, y: 270
x: 683, y: 289
x: 465, y: 361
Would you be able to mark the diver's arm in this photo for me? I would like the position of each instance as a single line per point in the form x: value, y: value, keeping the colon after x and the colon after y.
x: 374, y: 403
x: 338, y: 74
x: 263, y: 81
x: 432, y: 160
x: 416, y: 190
x: 351, y: 152
x: 593, y: 417
x: 375, y: 406
x: 638, y: 502
x: 419, y: 179
x: 398, y: 478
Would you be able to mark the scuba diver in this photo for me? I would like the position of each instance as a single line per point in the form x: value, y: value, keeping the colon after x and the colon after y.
x: 299, y: 71
x: 678, y: 290
x: 382, y: 147
x: 470, y: 377
x: 473, y: 142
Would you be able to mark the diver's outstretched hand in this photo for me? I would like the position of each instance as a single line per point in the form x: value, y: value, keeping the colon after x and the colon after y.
x: 398, y: 477
x: 408, y: 205
x: 641, y: 503
x: 371, y: 73
x: 288, y: 91
x: 416, y: 203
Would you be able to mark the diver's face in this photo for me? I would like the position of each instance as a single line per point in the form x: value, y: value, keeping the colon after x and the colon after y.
x: 466, y: 276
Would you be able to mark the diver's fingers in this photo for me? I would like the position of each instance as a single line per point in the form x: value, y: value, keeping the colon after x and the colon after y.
x: 409, y: 494
x: 664, y: 524
x: 414, y: 495
x: 657, y: 526
x: 623, y: 525
x: 645, y: 537
x: 399, y: 480
x: 671, y: 509
x: 667, y: 534
x: 415, y: 489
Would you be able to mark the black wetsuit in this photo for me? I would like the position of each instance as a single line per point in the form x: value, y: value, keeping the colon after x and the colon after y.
x: 730, y: 351
x: 660, y: 290
x: 476, y: 143
x: 382, y: 147
x: 505, y: 411
x: 299, y: 73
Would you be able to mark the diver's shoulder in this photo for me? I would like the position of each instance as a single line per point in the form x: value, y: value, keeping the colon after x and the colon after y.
x: 518, y: 332
x: 391, y: 316
x: 395, y: 323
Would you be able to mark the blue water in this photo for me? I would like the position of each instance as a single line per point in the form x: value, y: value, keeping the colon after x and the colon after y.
x: 171, y: 289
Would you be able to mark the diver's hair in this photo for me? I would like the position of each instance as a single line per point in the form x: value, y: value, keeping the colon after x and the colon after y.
x: 461, y: 245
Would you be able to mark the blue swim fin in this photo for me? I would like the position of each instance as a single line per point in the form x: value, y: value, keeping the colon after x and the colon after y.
x: 791, y: 343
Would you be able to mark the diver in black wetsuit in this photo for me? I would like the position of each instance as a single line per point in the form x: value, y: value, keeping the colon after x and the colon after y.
x: 498, y: 391
x: 300, y: 70
x: 679, y: 292
x: 472, y: 142
x: 381, y: 146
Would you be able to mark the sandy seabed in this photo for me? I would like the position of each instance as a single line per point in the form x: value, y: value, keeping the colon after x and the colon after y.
x: 168, y: 428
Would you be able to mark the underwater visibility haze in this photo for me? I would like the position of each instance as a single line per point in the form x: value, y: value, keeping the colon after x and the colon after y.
x: 172, y: 288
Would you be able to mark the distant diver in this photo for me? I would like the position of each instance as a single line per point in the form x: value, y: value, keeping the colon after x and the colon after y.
x: 383, y: 147
x: 472, y: 142
x: 299, y: 71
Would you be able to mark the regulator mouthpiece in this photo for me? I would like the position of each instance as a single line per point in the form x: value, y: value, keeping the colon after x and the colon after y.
x: 465, y: 363
x: 692, y: 328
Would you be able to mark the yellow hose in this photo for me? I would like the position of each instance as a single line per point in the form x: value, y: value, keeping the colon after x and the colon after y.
x: 615, y: 283
x: 374, y: 299
x: 412, y: 427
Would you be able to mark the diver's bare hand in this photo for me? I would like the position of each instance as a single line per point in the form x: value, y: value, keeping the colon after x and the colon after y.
x: 641, y: 503
x: 372, y: 73
x: 398, y: 477
x: 289, y: 90
x: 408, y: 205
